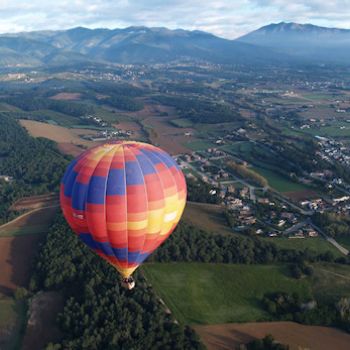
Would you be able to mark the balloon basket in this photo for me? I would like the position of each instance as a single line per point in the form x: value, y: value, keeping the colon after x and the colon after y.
x: 128, y: 283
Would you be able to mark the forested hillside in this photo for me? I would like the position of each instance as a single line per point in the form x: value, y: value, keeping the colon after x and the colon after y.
x: 35, y: 165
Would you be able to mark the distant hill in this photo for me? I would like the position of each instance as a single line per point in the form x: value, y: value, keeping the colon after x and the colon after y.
x: 303, y: 41
x: 281, y: 43
x: 130, y: 45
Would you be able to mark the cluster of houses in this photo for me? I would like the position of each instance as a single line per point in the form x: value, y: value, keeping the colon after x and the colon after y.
x: 96, y: 120
x: 332, y: 150
x: 304, y: 232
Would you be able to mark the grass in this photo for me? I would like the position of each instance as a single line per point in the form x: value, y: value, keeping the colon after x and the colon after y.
x: 182, y: 123
x: 12, y: 321
x: 60, y: 118
x: 331, y: 281
x: 199, y: 145
x: 344, y: 241
x: 278, y: 182
x: 317, y: 97
x: 241, y: 148
x: 317, y: 244
x: 199, y: 293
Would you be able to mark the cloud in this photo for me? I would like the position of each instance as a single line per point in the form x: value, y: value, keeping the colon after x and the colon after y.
x: 225, y: 18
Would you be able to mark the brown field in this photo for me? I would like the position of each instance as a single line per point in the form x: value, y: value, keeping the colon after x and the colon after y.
x: 162, y: 132
x: 297, y: 336
x: 301, y: 195
x: 57, y: 133
x: 167, y: 136
x: 208, y: 217
x: 35, y: 202
x: 67, y: 96
x: 63, y: 136
x: 35, y: 221
x: 15, y: 261
x: 70, y: 149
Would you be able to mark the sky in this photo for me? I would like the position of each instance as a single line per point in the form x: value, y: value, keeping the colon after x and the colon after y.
x: 225, y: 18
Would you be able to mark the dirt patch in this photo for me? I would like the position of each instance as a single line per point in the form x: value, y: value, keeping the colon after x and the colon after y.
x: 16, y: 256
x: 297, y: 336
x: 301, y: 195
x: 42, y: 327
x: 35, y: 202
x: 58, y: 133
x: 67, y: 96
x: 208, y: 217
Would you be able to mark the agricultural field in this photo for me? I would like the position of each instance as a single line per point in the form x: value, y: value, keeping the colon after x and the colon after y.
x: 278, y: 182
x: 63, y: 136
x: 67, y: 96
x: 199, y: 293
x: 167, y: 136
x: 239, y: 149
x: 199, y: 145
x: 331, y: 281
x: 207, y: 217
x: 32, y: 222
x: 344, y: 241
x: 317, y: 244
x: 182, y: 123
x: 19, y: 240
x: 35, y: 202
x: 297, y: 336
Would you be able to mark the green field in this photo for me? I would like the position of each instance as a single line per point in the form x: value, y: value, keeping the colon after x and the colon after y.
x: 60, y: 118
x: 278, y: 182
x: 316, y: 244
x: 331, y: 281
x: 317, y: 97
x: 182, y: 123
x: 240, y: 149
x: 199, y: 145
x: 344, y: 241
x: 199, y: 293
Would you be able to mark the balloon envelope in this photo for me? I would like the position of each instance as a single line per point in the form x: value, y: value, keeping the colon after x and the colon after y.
x: 123, y: 199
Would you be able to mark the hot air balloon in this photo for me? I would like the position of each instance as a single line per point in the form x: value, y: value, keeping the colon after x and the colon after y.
x: 123, y: 200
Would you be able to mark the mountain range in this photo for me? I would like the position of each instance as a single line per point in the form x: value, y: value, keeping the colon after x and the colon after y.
x: 273, y: 44
x: 305, y: 41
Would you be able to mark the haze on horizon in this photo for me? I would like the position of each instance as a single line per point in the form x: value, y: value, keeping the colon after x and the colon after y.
x: 224, y: 18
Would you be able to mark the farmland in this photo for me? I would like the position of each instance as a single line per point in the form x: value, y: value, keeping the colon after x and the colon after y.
x: 317, y: 244
x: 297, y: 336
x: 35, y: 221
x: 19, y: 240
x: 63, y: 136
x: 208, y: 217
x: 279, y: 182
x: 219, y: 293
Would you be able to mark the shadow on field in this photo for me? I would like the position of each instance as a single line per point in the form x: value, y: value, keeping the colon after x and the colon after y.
x: 16, y: 261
